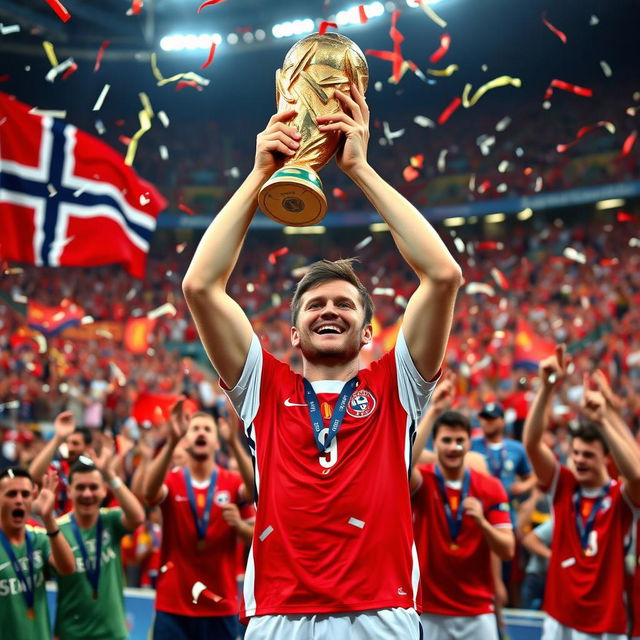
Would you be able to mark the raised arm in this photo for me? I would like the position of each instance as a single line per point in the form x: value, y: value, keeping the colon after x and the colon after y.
x: 64, y: 425
x: 542, y: 459
x: 222, y: 325
x: 429, y: 313
x: 157, y: 471
x: 229, y: 435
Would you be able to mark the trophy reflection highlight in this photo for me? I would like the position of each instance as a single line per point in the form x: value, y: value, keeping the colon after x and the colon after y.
x: 313, y: 69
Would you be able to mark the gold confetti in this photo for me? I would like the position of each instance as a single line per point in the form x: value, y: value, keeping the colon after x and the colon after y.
x: 51, y: 54
x: 449, y: 71
x: 500, y: 81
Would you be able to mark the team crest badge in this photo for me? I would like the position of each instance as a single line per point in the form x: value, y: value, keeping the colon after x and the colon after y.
x: 222, y: 497
x: 361, y: 404
x: 508, y: 465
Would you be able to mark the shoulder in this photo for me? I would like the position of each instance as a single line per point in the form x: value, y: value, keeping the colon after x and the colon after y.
x: 39, y: 535
x: 487, y: 486
x: 111, y: 514
x: 427, y: 471
x: 515, y: 446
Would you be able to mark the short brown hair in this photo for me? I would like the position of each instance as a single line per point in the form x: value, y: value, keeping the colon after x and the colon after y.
x: 324, y: 271
x: 589, y: 431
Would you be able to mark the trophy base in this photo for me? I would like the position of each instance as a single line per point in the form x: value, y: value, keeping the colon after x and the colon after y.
x: 293, y: 196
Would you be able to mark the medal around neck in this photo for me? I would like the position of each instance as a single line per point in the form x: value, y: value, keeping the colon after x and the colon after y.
x: 313, y: 69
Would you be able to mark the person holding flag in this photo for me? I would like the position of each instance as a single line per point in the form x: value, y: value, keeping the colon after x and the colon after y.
x: 204, y: 511
x: 25, y: 551
x: 593, y: 513
x: 90, y: 600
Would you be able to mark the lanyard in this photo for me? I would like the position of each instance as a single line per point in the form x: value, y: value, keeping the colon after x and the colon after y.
x: 496, y: 463
x: 317, y: 422
x: 454, y: 522
x: 201, y: 523
x: 28, y: 586
x: 584, y: 529
x: 92, y: 569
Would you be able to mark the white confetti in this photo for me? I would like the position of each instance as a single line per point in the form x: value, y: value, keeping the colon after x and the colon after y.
x: 53, y: 192
x: 363, y: 243
x: 519, y: 152
x: 606, y: 69
x: 389, y: 135
x: 10, y: 28
x: 459, y: 242
x: 538, y: 185
x: 144, y: 200
x: 12, y: 404
x: 164, y: 152
x: 552, y: 378
x: 401, y: 301
x: 472, y: 182
x: 442, y: 158
x: 378, y: 86
x: 196, y: 590
x: 502, y: 187
x: 484, y: 67
x: 80, y: 191
x: 593, y: 21
x: 503, y: 166
x: 50, y: 113
x: 87, y: 320
x: 100, y: 128
x: 573, y: 254
x: 54, y: 72
x: 356, y: 523
x: 503, y: 124
x: 634, y: 242
x: 480, y: 287
x: 384, y: 291
x: 103, y: 94
x: 164, y: 309
x: 423, y: 121
x: 105, y: 334
x: 265, y: 534
x: 164, y: 118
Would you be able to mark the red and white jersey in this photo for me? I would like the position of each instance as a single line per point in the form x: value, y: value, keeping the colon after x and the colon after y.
x: 63, y: 503
x: 333, y: 531
x: 182, y: 563
x: 456, y: 576
x: 585, y: 589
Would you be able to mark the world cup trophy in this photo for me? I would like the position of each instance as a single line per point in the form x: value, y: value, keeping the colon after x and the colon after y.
x: 313, y: 69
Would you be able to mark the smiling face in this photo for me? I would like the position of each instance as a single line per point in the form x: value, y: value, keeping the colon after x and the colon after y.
x: 588, y: 459
x: 75, y: 446
x: 330, y: 324
x: 87, y: 491
x: 201, y: 439
x: 16, y: 496
x: 451, y: 444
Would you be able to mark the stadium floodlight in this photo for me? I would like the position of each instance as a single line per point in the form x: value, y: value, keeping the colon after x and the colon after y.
x: 377, y: 227
x: 293, y: 28
x: 612, y: 203
x: 232, y: 38
x: 352, y: 15
x: 492, y: 218
x: 457, y: 221
x: 190, y: 41
x: 525, y: 214
x: 412, y: 3
x: 299, y: 231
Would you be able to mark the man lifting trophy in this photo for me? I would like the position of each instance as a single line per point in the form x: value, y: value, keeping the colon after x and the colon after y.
x: 314, y: 68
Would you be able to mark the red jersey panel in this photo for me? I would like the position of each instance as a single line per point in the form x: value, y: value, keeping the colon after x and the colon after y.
x: 183, y: 564
x: 635, y: 591
x: 456, y: 581
x: 63, y: 503
x: 333, y: 531
x: 592, y: 580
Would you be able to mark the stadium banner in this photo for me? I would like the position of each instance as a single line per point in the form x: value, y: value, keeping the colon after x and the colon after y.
x: 95, y: 331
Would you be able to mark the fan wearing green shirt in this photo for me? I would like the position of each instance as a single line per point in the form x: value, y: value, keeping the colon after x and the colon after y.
x: 25, y: 551
x: 90, y: 601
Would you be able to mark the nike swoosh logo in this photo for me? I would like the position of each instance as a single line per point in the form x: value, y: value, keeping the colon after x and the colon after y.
x: 181, y: 499
x: 288, y: 403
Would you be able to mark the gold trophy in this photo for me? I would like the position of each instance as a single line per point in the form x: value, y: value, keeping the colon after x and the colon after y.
x: 313, y: 69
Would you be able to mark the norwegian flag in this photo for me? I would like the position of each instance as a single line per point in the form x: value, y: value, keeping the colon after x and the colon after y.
x: 67, y: 198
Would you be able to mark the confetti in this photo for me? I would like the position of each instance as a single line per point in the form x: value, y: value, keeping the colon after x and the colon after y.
x: 576, y: 256
x: 58, y: 7
x: 459, y: 242
x: 553, y: 29
x: 163, y: 310
x: 438, y: 54
x: 103, y: 94
x: 53, y: 73
x: 606, y: 69
x: 101, y: 51
x: 13, y: 271
x: 593, y: 21
x: 51, y: 54
x: 500, y: 81
x: 324, y: 25
x: 145, y: 125
x: 480, y: 287
x: 166, y: 567
x: 9, y: 29
x: 609, y: 262
x: 538, y: 185
x: 212, y: 52
x: 410, y: 174
x: 164, y: 152
x: 384, y: 291
x: 449, y: 71
x: 104, y: 334
x: 503, y: 166
x: 339, y: 193
x: 274, y: 255
x: 417, y: 161
x: 80, y: 191
x: 500, y: 279
x: 567, y: 86
x: 634, y: 242
x: 391, y: 135
x: 72, y: 69
x: 609, y: 126
x: 503, y: 124
x: 87, y: 320
x: 188, y: 83
x: 181, y: 247
x: 423, y: 121
x: 363, y: 243
x: 136, y: 6
x: 144, y: 200
x: 442, y: 158
x: 189, y: 75
x: 489, y: 245
x: 207, y: 3
x: 12, y: 404
x: 623, y: 216
x: 431, y: 13
x: 628, y: 143
x: 446, y: 114
x: 164, y: 118
x: 362, y: 14
x: 52, y: 191
x: 183, y: 207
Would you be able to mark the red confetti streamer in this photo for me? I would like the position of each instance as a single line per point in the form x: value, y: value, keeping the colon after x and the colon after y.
x: 566, y: 86
x: 324, y: 25
x: 125, y: 140
x: 363, y: 14
x: 339, y: 193
x: 188, y: 83
x: 500, y: 278
x: 4, y: 77
x: 486, y: 245
x: 628, y: 143
x: 561, y: 148
x: 553, y: 29
x: 212, y: 52
x: 623, y: 216
x: 187, y: 210
x: 397, y: 38
x: 609, y: 262
x: 390, y: 56
x: 207, y: 3
x: 274, y: 255
x: 445, y: 41
x: 446, y: 114
x: 410, y: 174
x: 136, y: 6
x: 119, y: 123
x: 58, y: 7
x: 69, y: 71
x: 417, y: 161
x: 101, y: 50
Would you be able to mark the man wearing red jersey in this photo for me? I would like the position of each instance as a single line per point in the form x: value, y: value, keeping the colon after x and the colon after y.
x: 460, y: 517
x: 584, y: 593
x: 332, y: 550
x: 197, y: 595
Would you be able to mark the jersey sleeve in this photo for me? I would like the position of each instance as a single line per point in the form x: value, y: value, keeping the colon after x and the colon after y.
x: 497, y: 510
x: 523, y: 468
x: 415, y: 392
x: 112, y: 518
x: 246, y: 509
